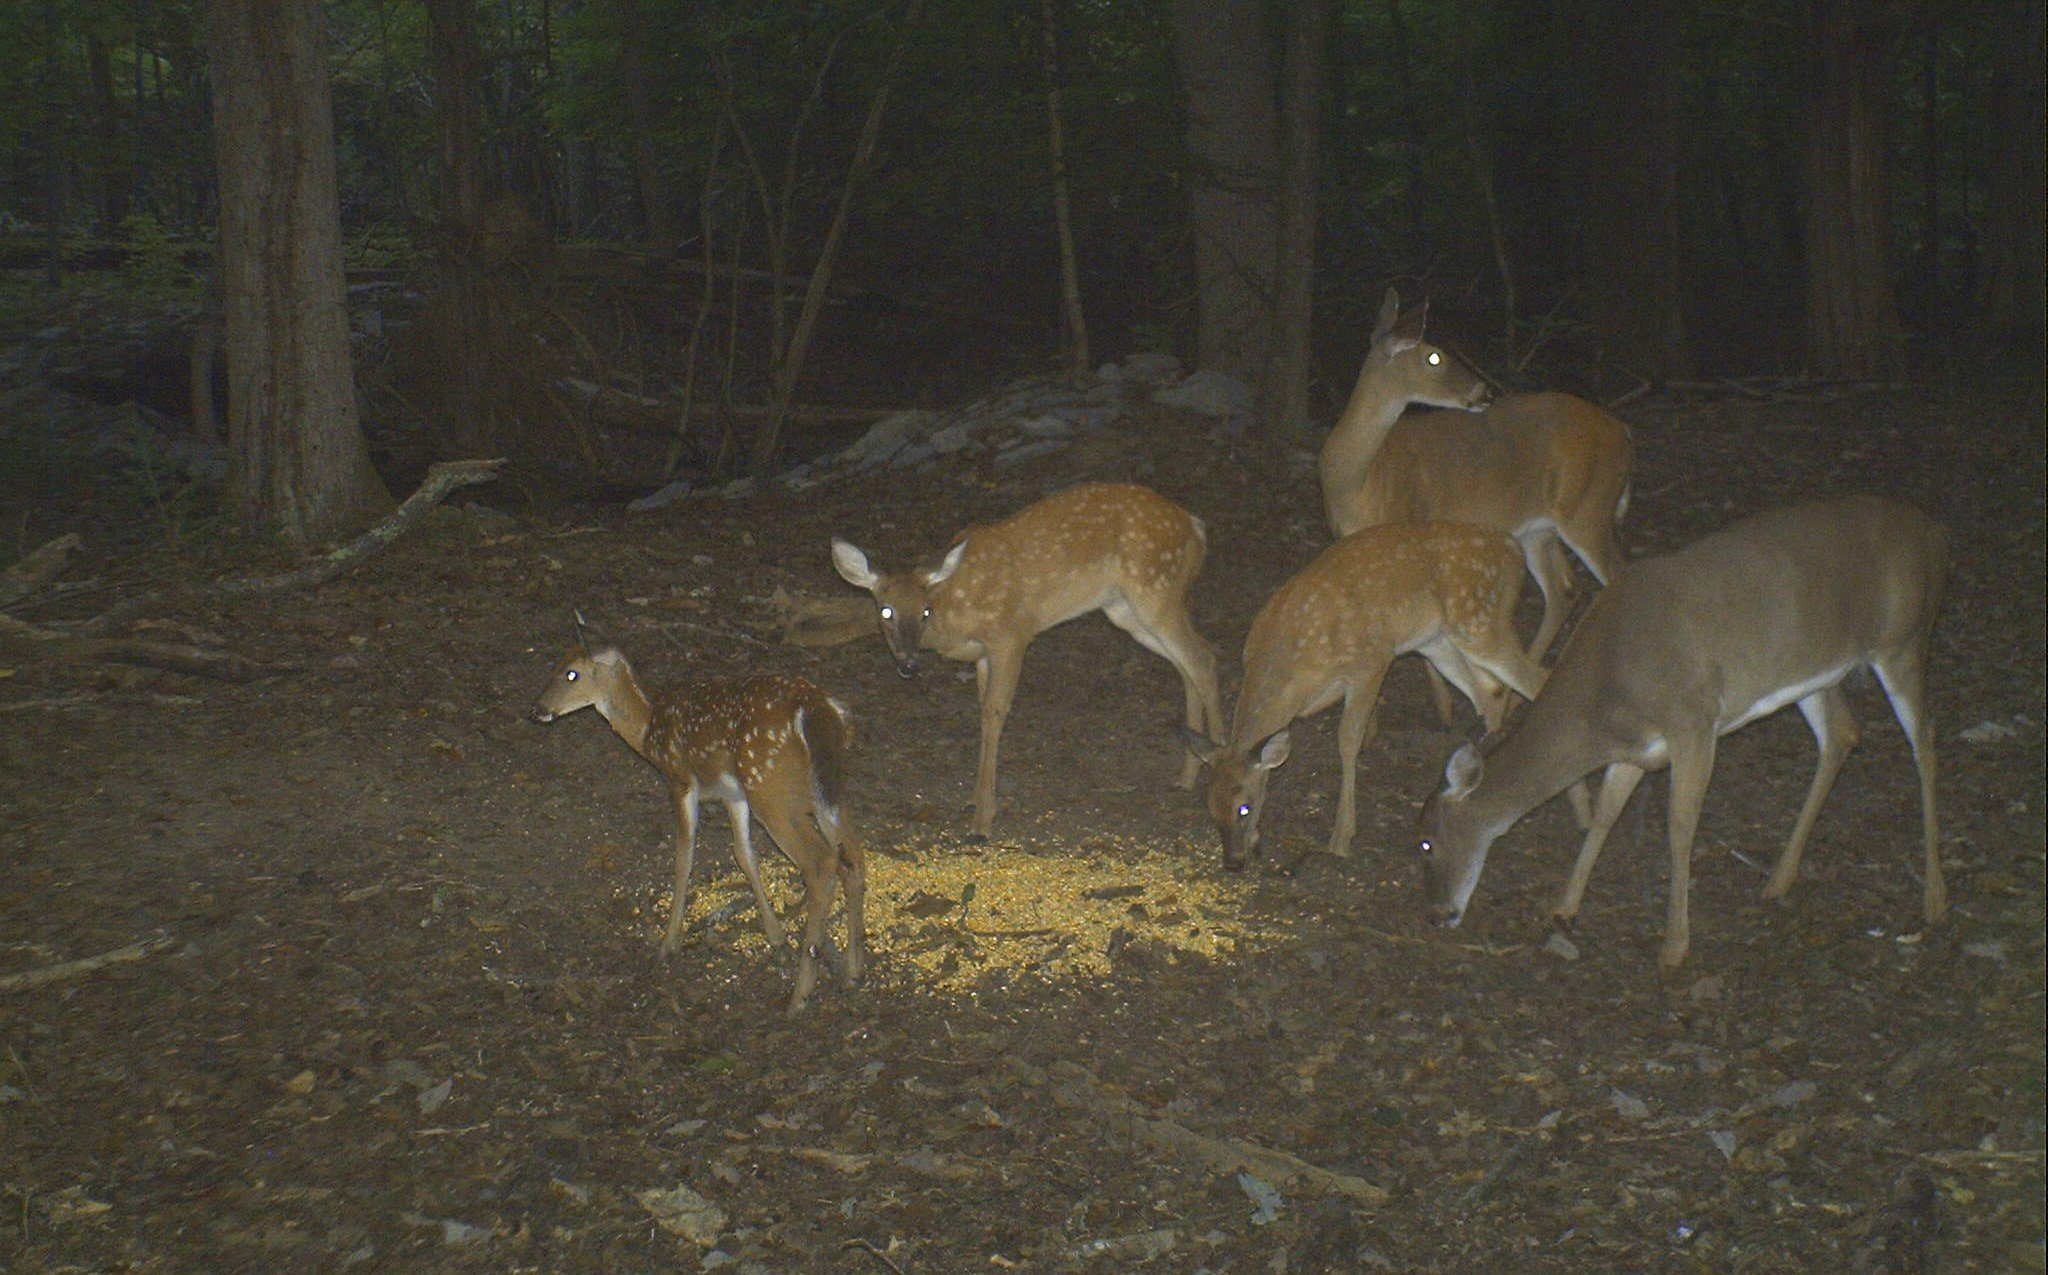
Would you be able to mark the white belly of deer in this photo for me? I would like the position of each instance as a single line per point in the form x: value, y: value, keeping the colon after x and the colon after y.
x: 1792, y: 694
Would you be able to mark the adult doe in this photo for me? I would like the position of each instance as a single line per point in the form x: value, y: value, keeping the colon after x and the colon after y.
x: 1687, y: 647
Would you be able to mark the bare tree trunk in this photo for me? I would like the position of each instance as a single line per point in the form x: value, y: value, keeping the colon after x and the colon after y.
x: 1286, y: 392
x: 1226, y: 72
x: 1076, y: 326
x: 2010, y: 278
x: 1852, y: 320
x: 1482, y: 176
x: 1631, y: 183
x: 300, y: 465
x: 111, y: 185
x: 791, y: 366
x: 654, y: 199
x: 470, y: 423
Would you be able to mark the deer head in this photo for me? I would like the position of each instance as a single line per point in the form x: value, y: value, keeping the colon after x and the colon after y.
x: 1415, y: 370
x: 1237, y: 791
x: 903, y: 599
x: 582, y: 679
x: 1453, y: 851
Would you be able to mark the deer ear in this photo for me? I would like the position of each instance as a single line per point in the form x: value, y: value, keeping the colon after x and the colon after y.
x: 852, y: 565
x: 944, y: 571
x: 1463, y: 771
x: 1390, y: 310
x: 1275, y: 751
x: 608, y: 655
x: 1408, y: 328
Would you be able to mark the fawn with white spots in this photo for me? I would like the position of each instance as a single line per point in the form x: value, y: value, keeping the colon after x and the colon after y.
x: 772, y: 748
x: 1544, y: 468
x: 1690, y: 646
x: 1124, y: 550
x: 1446, y: 591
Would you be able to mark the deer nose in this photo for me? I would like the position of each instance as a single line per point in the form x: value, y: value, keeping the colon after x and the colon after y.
x: 539, y: 714
x: 907, y: 668
x: 1448, y: 918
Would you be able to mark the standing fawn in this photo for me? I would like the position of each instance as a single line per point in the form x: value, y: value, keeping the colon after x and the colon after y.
x: 1444, y: 590
x: 1687, y: 647
x: 1544, y: 468
x: 1126, y: 551
x: 772, y: 748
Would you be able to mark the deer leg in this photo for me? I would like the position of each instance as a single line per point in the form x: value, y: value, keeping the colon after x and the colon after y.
x: 1904, y: 679
x: 1440, y: 695
x: 1692, y: 769
x: 1553, y: 572
x: 1165, y: 630
x: 817, y: 861
x: 1835, y: 732
x: 1353, y: 730
x: 686, y: 852
x: 1616, y: 787
x: 743, y: 850
x: 998, y: 689
x: 853, y: 875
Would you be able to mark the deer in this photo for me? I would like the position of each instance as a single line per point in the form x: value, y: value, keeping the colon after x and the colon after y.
x: 771, y: 748
x: 1444, y: 590
x: 1548, y: 469
x: 1117, y: 548
x: 1689, y: 646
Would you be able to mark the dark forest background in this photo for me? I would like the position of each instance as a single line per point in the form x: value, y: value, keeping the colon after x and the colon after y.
x: 349, y: 238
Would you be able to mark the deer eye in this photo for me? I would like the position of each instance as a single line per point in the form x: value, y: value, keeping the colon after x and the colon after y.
x: 927, y: 613
x: 888, y: 613
x: 1427, y: 849
x: 1435, y: 358
x: 571, y: 675
x: 1244, y: 811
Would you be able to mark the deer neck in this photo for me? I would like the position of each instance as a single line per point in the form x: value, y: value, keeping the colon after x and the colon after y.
x: 1553, y: 747
x: 1359, y: 433
x: 627, y: 708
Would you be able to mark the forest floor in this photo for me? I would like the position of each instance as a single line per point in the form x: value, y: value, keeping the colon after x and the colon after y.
x: 408, y: 1014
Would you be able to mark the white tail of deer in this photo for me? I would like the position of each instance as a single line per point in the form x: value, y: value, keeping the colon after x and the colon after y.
x: 1687, y: 647
x: 1544, y: 468
x: 1444, y: 590
x: 771, y: 748
x: 1123, y: 550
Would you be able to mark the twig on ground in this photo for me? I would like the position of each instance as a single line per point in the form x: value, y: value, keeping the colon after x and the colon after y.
x: 62, y: 970
x: 868, y: 1247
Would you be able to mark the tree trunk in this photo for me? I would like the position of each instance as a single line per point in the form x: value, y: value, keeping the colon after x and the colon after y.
x: 470, y: 428
x: 2010, y: 279
x: 300, y: 465
x: 111, y: 181
x: 1631, y: 183
x: 657, y: 215
x: 1852, y: 320
x: 1286, y: 391
x: 1076, y: 325
x: 1226, y: 72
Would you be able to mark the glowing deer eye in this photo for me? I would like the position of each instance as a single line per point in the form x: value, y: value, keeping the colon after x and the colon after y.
x: 571, y: 675
x: 1435, y: 358
x: 1427, y: 849
x: 927, y: 613
x: 1244, y: 812
x: 888, y: 613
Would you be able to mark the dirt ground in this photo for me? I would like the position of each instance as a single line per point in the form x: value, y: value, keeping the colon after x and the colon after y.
x: 408, y: 1013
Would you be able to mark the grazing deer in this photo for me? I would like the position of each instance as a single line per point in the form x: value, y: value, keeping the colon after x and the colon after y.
x: 1689, y: 646
x: 1543, y: 468
x: 772, y: 748
x: 1124, y: 550
x: 1442, y: 589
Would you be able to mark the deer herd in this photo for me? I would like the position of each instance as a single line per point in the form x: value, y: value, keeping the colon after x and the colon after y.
x: 1437, y: 515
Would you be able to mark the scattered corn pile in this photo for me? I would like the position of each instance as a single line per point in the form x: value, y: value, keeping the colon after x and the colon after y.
x: 950, y: 913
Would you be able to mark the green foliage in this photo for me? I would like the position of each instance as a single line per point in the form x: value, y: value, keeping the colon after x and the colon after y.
x: 153, y: 269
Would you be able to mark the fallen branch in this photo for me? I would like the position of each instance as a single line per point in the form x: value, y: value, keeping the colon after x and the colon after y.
x: 440, y: 480
x: 1077, y: 1089
x: 808, y: 621
x: 30, y: 643
x: 36, y: 569
x: 84, y: 965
